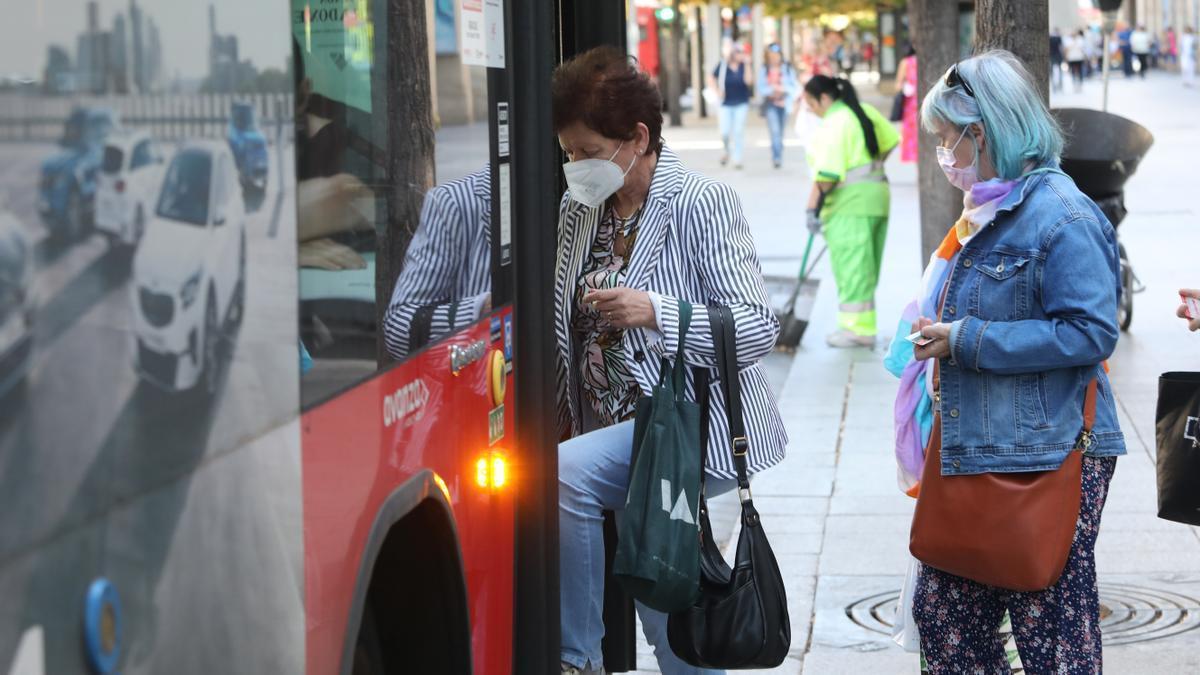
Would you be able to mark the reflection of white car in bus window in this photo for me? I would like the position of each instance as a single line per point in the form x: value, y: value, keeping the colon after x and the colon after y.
x: 190, y: 269
x: 130, y: 173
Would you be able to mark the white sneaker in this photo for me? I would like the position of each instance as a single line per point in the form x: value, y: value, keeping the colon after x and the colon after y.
x: 844, y: 339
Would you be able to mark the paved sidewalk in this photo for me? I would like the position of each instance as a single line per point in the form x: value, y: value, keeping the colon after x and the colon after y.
x: 834, y: 514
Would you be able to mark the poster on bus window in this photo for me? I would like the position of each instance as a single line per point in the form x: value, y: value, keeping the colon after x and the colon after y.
x: 336, y: 39
x: 150, y: 465
x: 482, y: 23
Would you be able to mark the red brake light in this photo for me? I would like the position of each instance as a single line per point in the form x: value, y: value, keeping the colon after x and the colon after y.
x: 120, y: 186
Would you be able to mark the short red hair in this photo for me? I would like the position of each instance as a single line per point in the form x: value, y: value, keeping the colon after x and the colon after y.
x: 603, y: 89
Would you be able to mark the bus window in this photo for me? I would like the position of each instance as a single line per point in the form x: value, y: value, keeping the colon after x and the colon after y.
x: 394, y: 255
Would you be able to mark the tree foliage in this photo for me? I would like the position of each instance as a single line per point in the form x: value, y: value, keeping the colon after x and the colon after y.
x: 811, y: 9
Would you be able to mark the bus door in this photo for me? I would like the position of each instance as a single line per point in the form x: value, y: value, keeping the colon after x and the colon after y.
x: 406, y: 228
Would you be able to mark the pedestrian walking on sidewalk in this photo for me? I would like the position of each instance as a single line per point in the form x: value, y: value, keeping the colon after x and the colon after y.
x: 1140, y: 44
x: 850, y: 199
x: 1027, y: 282
x: 1187, y: 57
x: 638, y: 235
x: 1124, y: 34
x: 906, y: 83
x: 1075, y: 52
x: 732, y: 79
x: 778, y: 89
x: 1056, y: 59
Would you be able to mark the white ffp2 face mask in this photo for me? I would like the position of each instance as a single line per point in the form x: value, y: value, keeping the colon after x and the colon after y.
x: 591, y: 181
x: 962, y: 178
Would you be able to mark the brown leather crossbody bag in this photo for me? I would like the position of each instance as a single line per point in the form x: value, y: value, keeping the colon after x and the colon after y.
x: 1009, y: 530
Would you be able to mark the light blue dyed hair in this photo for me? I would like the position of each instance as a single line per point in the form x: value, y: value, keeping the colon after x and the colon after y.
x: 1018, y: 125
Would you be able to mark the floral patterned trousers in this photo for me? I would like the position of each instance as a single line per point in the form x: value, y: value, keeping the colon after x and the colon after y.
x: 1057, y: 630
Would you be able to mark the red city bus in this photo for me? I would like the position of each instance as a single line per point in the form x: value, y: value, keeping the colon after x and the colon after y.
x: 648, y: 43
x: 275, y: 309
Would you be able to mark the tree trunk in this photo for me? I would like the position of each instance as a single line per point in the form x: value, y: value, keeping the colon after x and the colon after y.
x: 1020, y: 27
x: 935, y: 35
x: 410, y: 146
x: 672, y: 67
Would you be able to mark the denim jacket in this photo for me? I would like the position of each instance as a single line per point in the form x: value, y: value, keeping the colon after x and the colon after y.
x: 1032, y: 303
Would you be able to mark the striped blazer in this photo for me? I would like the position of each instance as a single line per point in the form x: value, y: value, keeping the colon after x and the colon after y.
x: 694, y: 245
x: 446, y: 277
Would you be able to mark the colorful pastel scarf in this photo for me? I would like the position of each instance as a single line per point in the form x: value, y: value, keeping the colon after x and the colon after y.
x: 914, y: 399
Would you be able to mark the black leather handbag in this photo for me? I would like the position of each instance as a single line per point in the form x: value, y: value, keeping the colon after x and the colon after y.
x: 1177, y: 432
x: 741, y: 619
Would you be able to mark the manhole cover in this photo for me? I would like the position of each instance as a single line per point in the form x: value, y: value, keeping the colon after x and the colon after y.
x: 1127, y: 613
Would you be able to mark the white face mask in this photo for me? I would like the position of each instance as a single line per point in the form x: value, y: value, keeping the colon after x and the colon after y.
x: 591, y: 181
x: 963, y: 178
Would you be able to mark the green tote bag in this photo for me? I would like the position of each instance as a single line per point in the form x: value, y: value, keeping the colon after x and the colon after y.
x: 658, y: 550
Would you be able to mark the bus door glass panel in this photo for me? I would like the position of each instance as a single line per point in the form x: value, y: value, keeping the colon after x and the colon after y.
x: 394, y: 199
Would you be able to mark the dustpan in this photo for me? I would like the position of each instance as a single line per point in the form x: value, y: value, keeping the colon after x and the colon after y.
x: 792, y: 298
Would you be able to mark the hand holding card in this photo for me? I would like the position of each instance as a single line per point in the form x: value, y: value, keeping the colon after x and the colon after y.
x: 1190, y: 309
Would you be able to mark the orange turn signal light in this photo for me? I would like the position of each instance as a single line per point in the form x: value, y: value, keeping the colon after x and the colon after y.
x: 491, y: 471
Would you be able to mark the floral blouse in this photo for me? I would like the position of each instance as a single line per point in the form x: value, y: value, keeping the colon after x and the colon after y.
x: 605, y: 380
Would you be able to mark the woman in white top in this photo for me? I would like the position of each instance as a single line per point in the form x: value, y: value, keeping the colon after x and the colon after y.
x: 1075, y: 51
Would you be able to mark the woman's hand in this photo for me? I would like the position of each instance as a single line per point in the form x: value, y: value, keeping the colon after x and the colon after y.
x: 1182, y: 312
x: 623, y: 307
x: 940, y: 347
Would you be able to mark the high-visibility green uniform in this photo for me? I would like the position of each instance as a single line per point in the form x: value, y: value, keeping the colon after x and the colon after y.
x: 855, y: 213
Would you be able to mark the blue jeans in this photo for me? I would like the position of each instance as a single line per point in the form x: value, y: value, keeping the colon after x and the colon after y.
x: 776, y: 117
x: 733, y: 129
x: 593, y: 475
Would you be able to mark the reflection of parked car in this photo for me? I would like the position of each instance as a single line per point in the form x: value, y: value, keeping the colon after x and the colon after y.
x: 249, y: 147
x: 68, y: 181
x: 130, y: 174
x: 189, y: 272
x: 16, y: 305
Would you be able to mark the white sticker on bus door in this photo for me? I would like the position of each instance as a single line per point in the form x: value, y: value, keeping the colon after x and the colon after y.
x: 482, y: 24
x: 505, y: 182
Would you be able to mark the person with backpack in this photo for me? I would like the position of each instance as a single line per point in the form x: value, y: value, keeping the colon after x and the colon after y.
x: 850, y: 199
x: 778, y: 88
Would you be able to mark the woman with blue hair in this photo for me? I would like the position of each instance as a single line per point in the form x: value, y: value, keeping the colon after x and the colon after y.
x: 1024, y: 294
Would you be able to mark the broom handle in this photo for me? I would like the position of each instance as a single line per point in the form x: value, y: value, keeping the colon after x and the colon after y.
x: 804, y: 261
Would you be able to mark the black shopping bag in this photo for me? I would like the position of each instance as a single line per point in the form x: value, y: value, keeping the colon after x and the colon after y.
x: 658, y: 552
x: 1177, y: 433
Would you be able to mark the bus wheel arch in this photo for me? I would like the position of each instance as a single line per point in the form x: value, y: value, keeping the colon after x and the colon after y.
x: 409, y: 612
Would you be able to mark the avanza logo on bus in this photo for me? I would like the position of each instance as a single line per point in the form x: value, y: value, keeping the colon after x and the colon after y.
x: 399, y: 406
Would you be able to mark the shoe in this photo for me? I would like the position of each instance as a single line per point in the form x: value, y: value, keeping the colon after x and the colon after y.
x: 724, y: 160
x: 844, y: 339
x: 778, y: 165
x: 738, y: 167
x: 568, y: 669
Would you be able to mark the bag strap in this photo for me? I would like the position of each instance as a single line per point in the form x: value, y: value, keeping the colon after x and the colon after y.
x: 678, y: 370
x: 725, y: 344
x: 1087, y: 437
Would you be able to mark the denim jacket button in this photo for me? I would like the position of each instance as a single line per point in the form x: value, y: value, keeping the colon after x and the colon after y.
x: 950, y: 309
x: 953, y: 362
x: 954, y: 412
x: 967, y: 262
x: 957, y: 464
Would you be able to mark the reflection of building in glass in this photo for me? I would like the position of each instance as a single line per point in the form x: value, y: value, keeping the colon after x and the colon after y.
x: 125, y: 59
x: 91, y: 53
x: 58, y: 77
x: 225, y: 72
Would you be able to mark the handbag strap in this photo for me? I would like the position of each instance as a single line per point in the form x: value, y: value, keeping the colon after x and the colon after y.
x: 677, y: 371
x: 725, y: 343
x: 1087, y: 437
